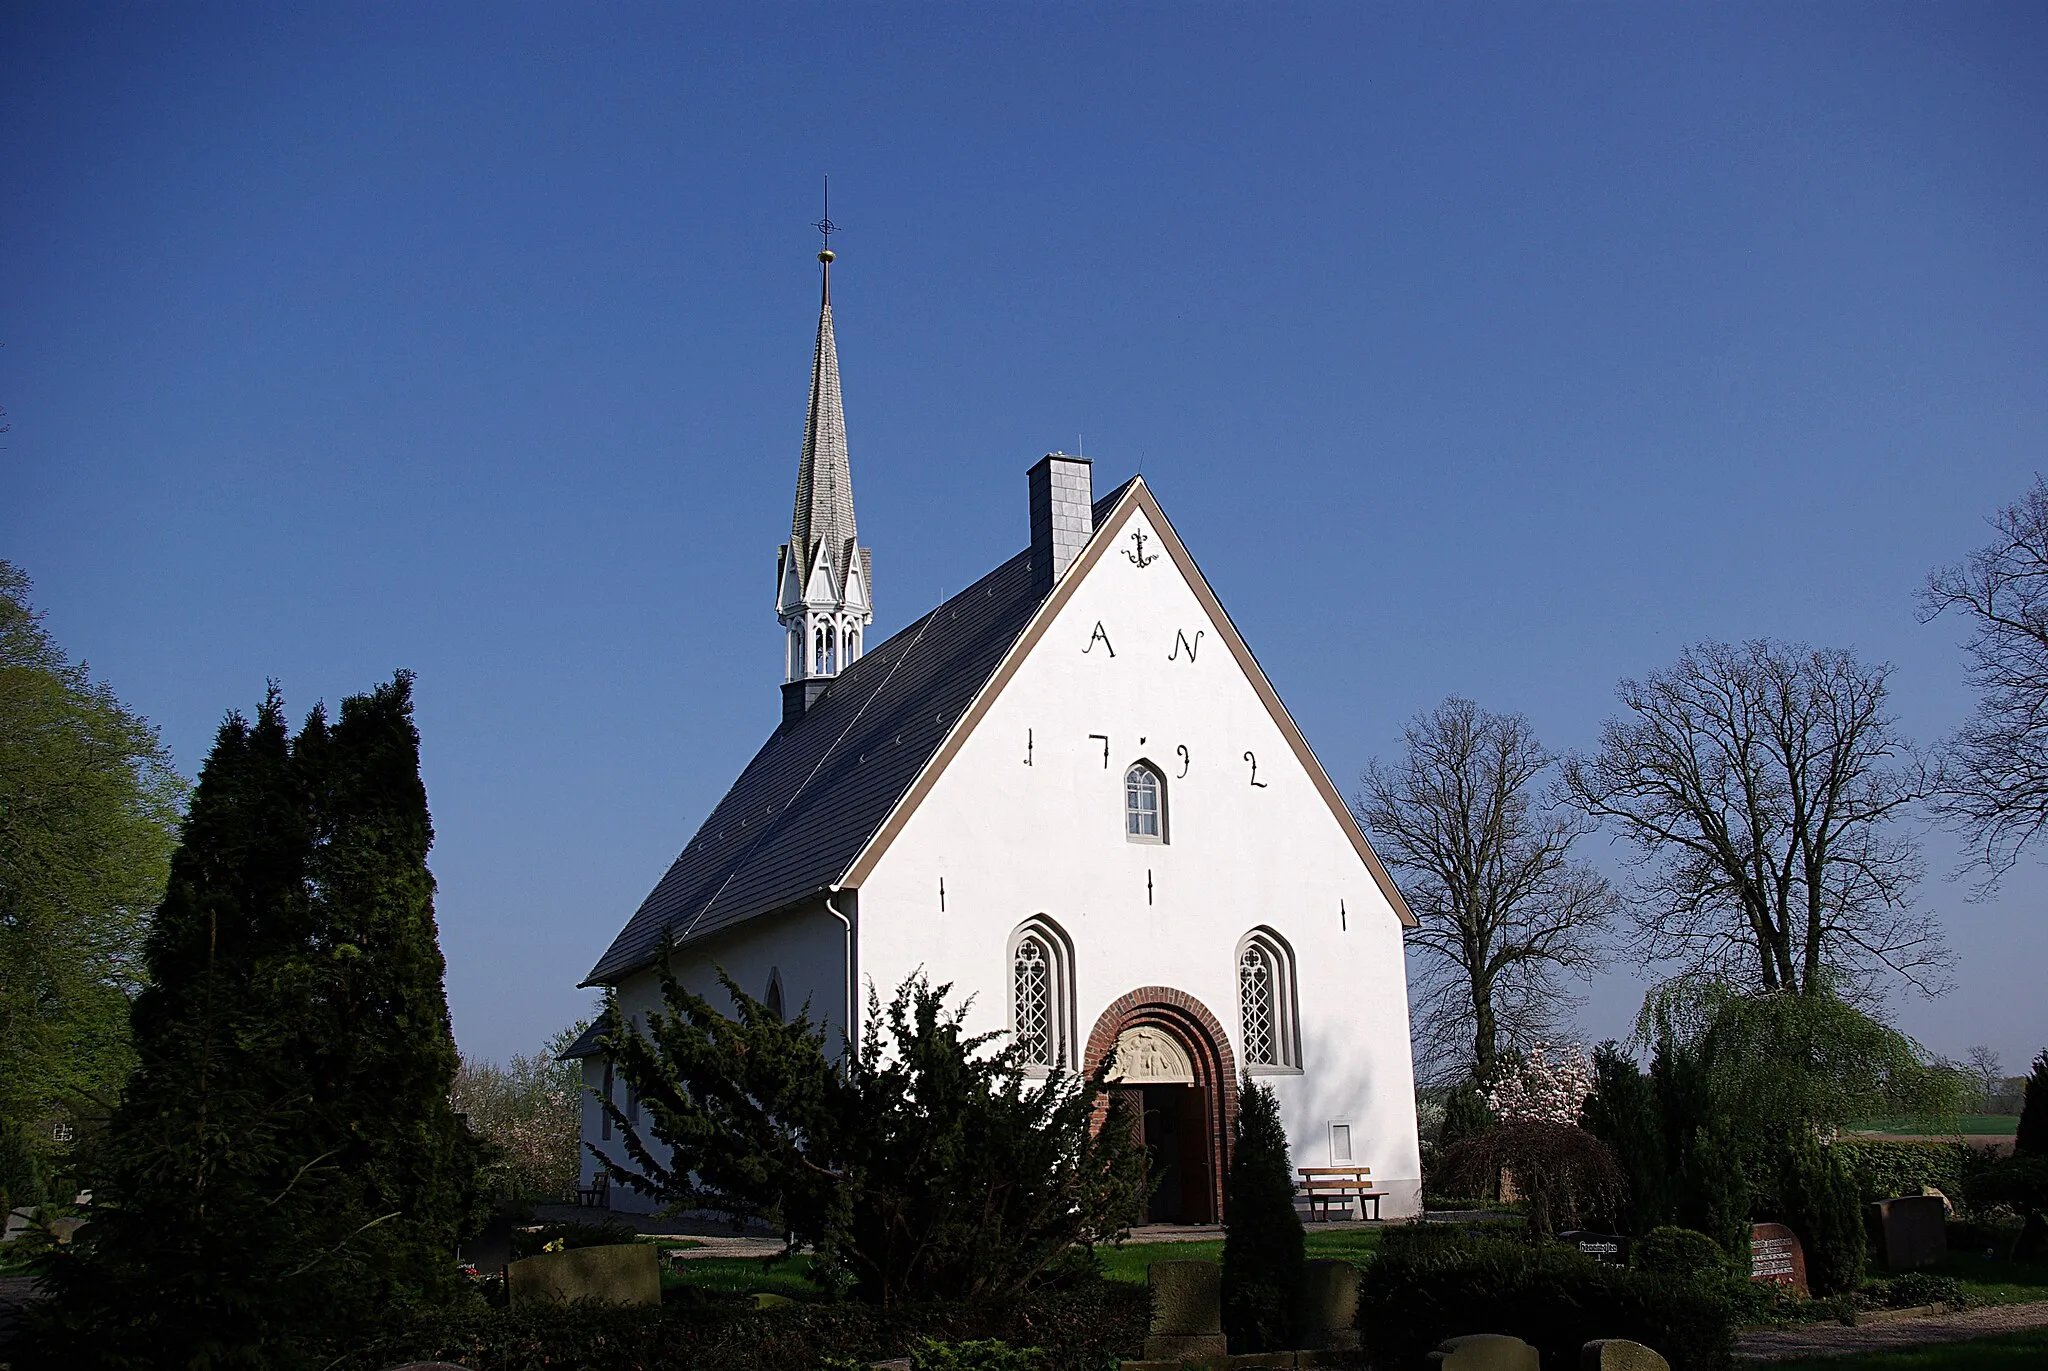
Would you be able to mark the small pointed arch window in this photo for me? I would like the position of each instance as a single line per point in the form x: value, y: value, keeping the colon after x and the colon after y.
x: 772, y: 1000
x: 1144, y: 804
x: 1267, y: 1013
x: 1042, y: 996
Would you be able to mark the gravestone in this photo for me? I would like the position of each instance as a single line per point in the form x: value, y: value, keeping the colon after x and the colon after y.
x: 1619, y: 1354
x: 1485, y: 1352
x: 622, y: 1273
x: 1910, y: 1231
x: 1187, y: 1312
x: 19, y: 1221
x: 1775, y: 1255
x: 1329, y: 1305
x: 1601, y: 1247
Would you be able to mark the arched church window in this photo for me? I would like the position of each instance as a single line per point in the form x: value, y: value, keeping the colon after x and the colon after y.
x: 772, y: 1001
x: 1144, y: 805
x: 796, y: 653
x: 1266, y: 1003
x: 1041, y: 997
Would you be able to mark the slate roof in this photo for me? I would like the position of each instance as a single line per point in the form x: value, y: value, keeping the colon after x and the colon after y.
x: 819, y: 789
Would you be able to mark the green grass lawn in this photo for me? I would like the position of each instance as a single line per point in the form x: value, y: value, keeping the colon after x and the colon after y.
x: 1995, y: 1280
x: 2006, y: 1352
x: 2002, y: 1124
x: 741, y: 1275
x: 1128, y: 1263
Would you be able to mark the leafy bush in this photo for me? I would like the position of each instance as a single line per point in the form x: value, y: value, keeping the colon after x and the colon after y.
x: 1420, y: 1290
x: 1916, y: 1288
x: 1262, y: 1249
x: 1561, y: 1169
x: 1679, y: 1252
x: 1079, y: 1327
x: 1885, y: 1168
x: 531, y: 1111
x: 983, y: 1354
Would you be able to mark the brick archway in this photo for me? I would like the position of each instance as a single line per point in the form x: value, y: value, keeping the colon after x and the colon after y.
x: 1188, y: 1021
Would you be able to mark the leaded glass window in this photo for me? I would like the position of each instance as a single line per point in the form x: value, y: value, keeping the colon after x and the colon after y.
x: 1032, y: 1004
x: 1141, y: 805
x: 1256, y: 999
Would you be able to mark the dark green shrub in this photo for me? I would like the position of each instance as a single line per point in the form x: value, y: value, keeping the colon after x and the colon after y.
x: 1079, y: 1328
x: 1623, y: 1113
x: 21, y: 1174
x: 1679, y: 1252
x: 1417, y: 1293
x: 528, y: 1241
x: 1262, y: 1249
x: 1822, y: 1206
x: 981, y: 1354
x: 1884, y: 1168
x: 1916, y: 1288
x: 2032, y: 1137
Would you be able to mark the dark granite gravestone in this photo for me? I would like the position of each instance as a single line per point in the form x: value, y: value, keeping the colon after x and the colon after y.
x: 1775, y: 1255
x: 1601, y: 1247
x: 1187, y: 1312
x: 622, y: 1273
x: 1329, y: 1306
x: 1909, y: 1231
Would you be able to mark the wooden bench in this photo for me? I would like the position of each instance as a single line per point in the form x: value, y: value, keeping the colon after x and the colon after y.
x: 1325, y: 1186
x: 596, y: 1195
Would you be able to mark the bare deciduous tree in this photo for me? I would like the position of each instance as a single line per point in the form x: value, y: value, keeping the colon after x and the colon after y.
x: 1764, y: 787
x: 1503, y: 911
x: 1995, y: 775
x: 1987, y: 1073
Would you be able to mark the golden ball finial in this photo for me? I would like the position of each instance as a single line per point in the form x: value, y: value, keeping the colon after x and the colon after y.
x: 827, y: 256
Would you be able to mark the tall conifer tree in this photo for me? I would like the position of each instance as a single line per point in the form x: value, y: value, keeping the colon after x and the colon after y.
x: 1263, y: 1246
x: 285, y: 1162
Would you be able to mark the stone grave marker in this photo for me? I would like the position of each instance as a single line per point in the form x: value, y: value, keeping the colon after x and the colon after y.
x: 622, y: 1273
x: 1187, y: 1312
x: 1619, y: 1354
x: 1485, y: 1352
x: 1329, y: 1306
x: 19, y: 1221
x: 1910, y: 1231
x: 1775, y: 1255
x: 1601, y: 1247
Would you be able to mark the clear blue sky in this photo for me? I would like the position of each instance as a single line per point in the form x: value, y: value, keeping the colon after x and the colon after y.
x: 1498, y: 350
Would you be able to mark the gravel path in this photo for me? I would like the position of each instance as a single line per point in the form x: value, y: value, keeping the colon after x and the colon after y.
x: 1834, y: 1339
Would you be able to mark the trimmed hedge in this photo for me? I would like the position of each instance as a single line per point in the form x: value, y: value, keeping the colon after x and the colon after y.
x: 1415, y: 1294
x: 1885, y: 1167
x: 1082, y: 1328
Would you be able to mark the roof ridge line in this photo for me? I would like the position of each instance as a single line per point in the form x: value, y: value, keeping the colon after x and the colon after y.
x: 739, y: 863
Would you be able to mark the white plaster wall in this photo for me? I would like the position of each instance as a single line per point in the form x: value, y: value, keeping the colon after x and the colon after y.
x: 808, y: 946
x: 1012, y: 841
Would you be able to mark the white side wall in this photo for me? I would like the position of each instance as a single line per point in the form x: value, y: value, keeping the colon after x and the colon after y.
x: 1012, y: 841
x: 807, y: 946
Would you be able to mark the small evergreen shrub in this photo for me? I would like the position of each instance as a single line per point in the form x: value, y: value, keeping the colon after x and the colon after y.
x: 1679, y: 1252
x: 1415, y: 1293
x: 1262, y: 1248
x: 2031, y: 1139
x: 1822, y: 1205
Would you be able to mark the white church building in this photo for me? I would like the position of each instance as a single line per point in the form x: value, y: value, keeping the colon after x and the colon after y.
x: 1070, y: 791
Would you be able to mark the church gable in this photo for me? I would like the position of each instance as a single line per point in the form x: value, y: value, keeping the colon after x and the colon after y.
x: 1133, y: 663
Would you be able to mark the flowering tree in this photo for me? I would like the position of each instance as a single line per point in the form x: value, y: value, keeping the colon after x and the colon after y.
x: 1550, y: 1084
x: 530, y: 1110
x: 1560, y: 1168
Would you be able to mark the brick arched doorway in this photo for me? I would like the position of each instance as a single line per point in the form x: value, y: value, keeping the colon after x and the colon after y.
x: 1189, y: 1119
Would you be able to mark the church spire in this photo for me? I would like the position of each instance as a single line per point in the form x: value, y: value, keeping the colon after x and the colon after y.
x: 822, y: 573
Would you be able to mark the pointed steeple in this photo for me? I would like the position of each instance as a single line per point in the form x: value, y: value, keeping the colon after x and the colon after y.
x: 822, y: 573
x: 824, y: 476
